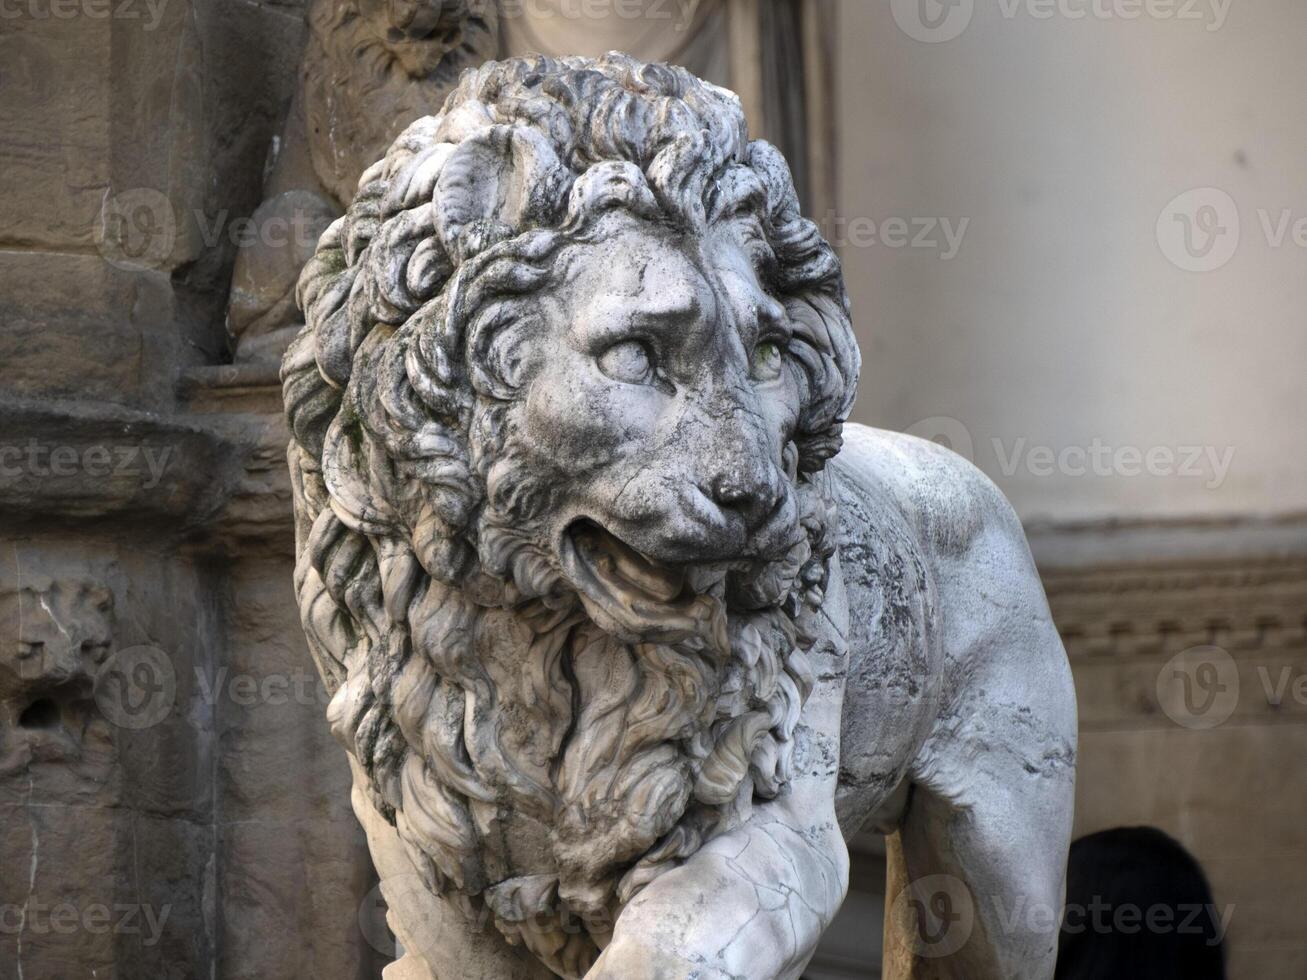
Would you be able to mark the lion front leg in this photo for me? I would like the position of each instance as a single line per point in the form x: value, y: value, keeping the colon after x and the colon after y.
x: 973, y: 893
x: 753, y: 903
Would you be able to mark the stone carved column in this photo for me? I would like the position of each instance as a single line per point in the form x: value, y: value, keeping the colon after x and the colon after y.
x: 689, y: 33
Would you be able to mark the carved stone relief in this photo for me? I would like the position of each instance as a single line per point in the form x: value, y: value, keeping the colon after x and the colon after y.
x: 56, y: 636
x: 371, y: 67
x: 104, y: 787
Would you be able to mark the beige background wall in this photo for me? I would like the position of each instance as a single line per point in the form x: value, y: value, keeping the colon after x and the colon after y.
x: 1060, y: 320
x: 1063, y: 322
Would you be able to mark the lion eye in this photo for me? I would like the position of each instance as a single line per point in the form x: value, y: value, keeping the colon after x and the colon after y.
x: 767, y: 361
x: 628, y: 361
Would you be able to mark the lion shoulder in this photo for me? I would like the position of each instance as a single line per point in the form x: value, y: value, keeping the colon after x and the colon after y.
x: 941, y: 591
x: 949, y: 502
x: 967, y: 546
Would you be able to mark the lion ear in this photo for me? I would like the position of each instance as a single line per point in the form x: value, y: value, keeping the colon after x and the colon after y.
x: 495, y: 185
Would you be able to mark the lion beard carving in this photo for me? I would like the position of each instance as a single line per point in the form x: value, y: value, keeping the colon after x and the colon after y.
x: 471, y: 684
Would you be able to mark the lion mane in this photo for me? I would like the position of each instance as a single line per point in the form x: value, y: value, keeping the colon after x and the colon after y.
x: 443, y: 627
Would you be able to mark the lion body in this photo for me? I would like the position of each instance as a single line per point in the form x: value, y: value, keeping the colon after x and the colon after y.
x: 923, y: 538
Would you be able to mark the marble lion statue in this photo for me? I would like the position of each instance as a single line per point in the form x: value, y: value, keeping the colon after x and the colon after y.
x: 627, y: 631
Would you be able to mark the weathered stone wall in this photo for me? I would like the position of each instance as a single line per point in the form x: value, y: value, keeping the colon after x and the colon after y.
x: 163, y: 755
x: 187, y: 816
x: 135, y: 137
x: 172, y: 803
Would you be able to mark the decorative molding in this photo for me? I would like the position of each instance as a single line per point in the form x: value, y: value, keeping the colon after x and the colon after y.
x: 1245, y: 603
x: 219, y: 479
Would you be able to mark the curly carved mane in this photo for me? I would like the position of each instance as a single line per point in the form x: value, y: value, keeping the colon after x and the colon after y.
x: 467, y: 678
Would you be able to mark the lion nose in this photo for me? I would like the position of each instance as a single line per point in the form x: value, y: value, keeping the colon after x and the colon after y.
x: 748, y: 489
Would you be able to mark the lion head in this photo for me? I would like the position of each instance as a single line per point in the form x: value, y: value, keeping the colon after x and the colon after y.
x: 572, y: 366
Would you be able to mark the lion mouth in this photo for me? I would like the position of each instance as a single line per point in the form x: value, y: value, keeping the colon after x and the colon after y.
x: 628, y: 594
